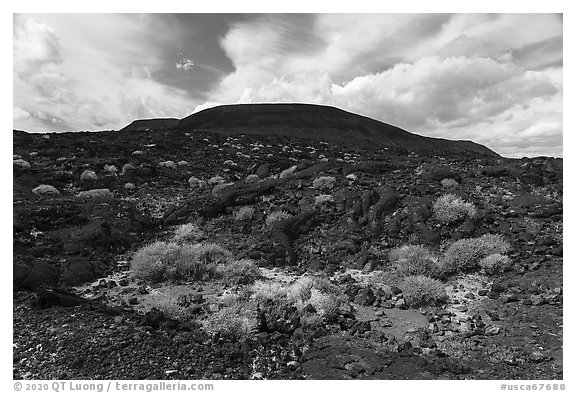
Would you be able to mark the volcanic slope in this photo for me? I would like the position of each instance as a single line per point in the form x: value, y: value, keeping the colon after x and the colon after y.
x: 313, y: 122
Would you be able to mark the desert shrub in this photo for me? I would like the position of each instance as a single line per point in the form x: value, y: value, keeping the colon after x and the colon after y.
x: 277, y: 216
x: 161, y: 261
x: 182, y: 163
x: 167, y: 164
x: 45, y: 189
x: 129, y: 186
x: 465, y: 254
x: 150, y: 263
x: 245, y: 213
x: 236, y: 321
x: 127, y: 168
x: 450, y: 208
x: 324, y: 183
x: 188, y: 233
x: 95, y: 193
x: 20, y: 163
x: 263, y: 291
x: 88, y: 175
x: 323, y: 198
x: 168, y: 305
x: 194, y: 182
x: 110, y: 170
x: 252, y: 178
x: 421, y: 291
x: 414, y: 260
x: 216, y: 180
x: 288, y: 171
x: 495, y: 263
x: 448, y: 183
x: 240, y: 272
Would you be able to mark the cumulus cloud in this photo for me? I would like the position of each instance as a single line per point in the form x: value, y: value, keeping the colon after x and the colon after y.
x: 469, y: 76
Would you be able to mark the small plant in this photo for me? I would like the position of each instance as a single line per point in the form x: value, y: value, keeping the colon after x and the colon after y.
x: 167, y: 164
x: 110, y: 170
x: 233, y: 322
x: 465, y: 254
x: 322, y: 199
x: 151, y: 262
x: 20, y: 163
x: 495, y: 263
x: 45, y: 189
x: 127, y: 168
x: 414, y: 260
x: 422, y: 291
x: 252, y: 178
x: 96, y: 193
x: 450, y: 208
x: 88, y: 175
x: 245, y: 213
x: 196, y: 183
x: 240, y: 272
x: 188, y: 233
x: 448, y: 183
x: 277, y: 216
x: 324, y: 183
x: 216, y: 180
x: 288, y: 171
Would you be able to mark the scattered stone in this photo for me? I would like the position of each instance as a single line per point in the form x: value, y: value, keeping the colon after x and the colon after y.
x: 482, y: 292
x: 401, y: 304
x: 536, y: 357
x: 536, y: 300
x: 365, y: 297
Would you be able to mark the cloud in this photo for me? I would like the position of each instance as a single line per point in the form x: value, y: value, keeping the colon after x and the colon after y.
x: 468, y: 76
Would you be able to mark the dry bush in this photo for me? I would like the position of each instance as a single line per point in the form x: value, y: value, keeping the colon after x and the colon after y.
x: 450, y: 208
x: 88, y: 175
x: 324, y: 183
x: 448, y: 183
x: 414, y: 260
x: 236, y: 321
x: 150, y: 262
x: 189, y: 233
x: 465, y: 254
x: 45, y: 189
x: 245, y: 213
x: 495, y: 263
x: 240, y: 272
x: 277, y: 216
x: 421, y: 291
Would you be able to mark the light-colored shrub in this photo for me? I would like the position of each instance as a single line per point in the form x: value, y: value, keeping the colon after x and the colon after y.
x: 322, y: 199
x: 151, y: 262
x: 96, y: 193
x: 127, y: 168
x: 413, y: 260
x: 45, y: 189
x: 324, y: 183
x: 194, y: 182
x: 252, y: 178
x: 20, y: 163
x: 167, y: 164
x: 110, y: 170
x: 182, y: 163
x: 245, y: 213
x: 277, y: 216
x: 421, y: 291
x: 214, y: 180
x: 495, y: 263
x: 129, y: 186
x: 137, y: 153
x: 288, y: 171
x: 240, y: 272
x: 236, y: 322
x: 450, y: 208
x: 465, y: 254
x: 448, y: 183
x: 189, y: 233
x: 88, y: 175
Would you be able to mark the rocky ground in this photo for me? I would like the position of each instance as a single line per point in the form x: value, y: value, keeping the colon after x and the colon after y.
x: 79, y: 312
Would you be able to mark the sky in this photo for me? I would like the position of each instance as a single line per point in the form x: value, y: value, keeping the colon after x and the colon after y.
x: 496, y: 79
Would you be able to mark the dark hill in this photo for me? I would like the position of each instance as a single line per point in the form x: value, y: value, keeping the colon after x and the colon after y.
x: 151, y: 124
x: 315, y: 122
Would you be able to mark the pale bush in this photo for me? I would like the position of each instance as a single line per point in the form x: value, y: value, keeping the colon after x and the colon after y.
x: 209, y: 253
x: 421, y: 291
x: 495, y: 263
x: 240, y: 272
x: 189, y: 232
x: 110, y: 170
x: 245, y: 213
x: 151, y: 262
x: 263, y: 291
x: 103, y: 193
x: 194, y: 182
x: 167, y: 164
x: 252, y: 178
x: 414, y: 260
x: 450, y: 208
x: 323, y: 198
x: 465, y: 254
x: 45, y: 189
x: 287, y: 172
x: 277, y: 216
x: 448, y: 183
x: 20, y: 163
x: 324, y: 183
x: 88, y: 175
x: 129, y: 186
x: 236, y: 322
x: 182, y: 163
x: 216, y: 180
x: 127, y: 168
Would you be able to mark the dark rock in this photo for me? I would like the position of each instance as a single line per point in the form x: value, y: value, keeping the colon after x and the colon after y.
x: 365, y: 297
x: 47, y: 297
x: 41, y: 274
